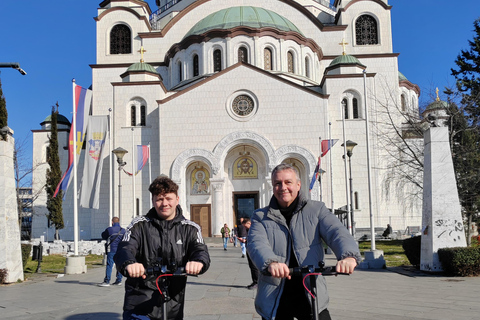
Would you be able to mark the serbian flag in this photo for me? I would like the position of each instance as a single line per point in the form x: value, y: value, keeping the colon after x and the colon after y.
x: 326, y: 146
x: 143, y: 153
x: 83, y: 98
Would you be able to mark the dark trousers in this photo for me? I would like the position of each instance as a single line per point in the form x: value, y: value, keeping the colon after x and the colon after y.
x: 253, y: 269
x: 324, y: 315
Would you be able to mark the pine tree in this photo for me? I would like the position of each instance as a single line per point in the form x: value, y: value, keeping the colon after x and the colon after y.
x: 468, y: 76
x: 3, y: 112
x: 53, y: 177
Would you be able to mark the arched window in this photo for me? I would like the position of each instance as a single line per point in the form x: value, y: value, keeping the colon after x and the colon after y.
x: 366, y: 31
x: 267, y: 59
x: 120, y: 39
x: 195, y: 66
x: 180, y: 74
x: 345, y: 108
x: 217, y: 60
x: 307, y: 67
x: 403, y: 102
x: 242, y: 54
x: 356, y: 201
x: 142, y: 116
x: 355, y: 108
x: 290, y: 62
x: 133, y: 116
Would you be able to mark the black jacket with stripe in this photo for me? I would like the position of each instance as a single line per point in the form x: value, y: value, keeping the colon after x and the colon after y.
x: 147, y: 240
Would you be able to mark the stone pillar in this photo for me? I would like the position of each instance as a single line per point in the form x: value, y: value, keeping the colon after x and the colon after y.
x: 442, y: 223
x: 10, y: 249
x: 218, y: 212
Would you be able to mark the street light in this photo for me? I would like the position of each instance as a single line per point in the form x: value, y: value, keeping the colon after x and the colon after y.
x: 350, y: 145
x: 14, y: 65
x: 120, y: 153
x: 320, y: 174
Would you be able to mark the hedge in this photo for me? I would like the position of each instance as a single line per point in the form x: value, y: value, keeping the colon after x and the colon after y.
x: 461, y: 262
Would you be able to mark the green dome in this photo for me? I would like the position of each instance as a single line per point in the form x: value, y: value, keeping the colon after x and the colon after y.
x: 247, y: 16
x: 401, y: 77
x: 60, y: 119
x: 345, y: 59
x: 142, y: 66
x: 437, y: 104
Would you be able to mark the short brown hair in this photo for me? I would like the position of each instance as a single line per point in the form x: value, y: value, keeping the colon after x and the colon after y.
x: 163, y: 185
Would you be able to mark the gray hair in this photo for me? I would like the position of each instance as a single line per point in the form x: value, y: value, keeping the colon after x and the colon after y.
x: 285, y: 166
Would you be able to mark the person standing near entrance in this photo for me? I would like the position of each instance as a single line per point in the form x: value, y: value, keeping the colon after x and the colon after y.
x: 288, y: 233
x: 253, y: 269
x: 113, y: 235
x: 242, y: 237
x: 225, y: 231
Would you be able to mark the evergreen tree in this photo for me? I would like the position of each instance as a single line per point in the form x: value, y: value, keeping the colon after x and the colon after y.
x: 468, y: 76
x: 3, y: 112
x: 53, y: 177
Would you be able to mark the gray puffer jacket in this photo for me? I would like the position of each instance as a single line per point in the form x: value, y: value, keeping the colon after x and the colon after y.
x: 270, y: 239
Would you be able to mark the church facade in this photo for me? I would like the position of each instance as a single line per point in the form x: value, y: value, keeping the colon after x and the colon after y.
x: 224, y: 90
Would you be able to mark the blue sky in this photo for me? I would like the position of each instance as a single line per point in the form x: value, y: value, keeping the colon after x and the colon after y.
x: 54, y: 42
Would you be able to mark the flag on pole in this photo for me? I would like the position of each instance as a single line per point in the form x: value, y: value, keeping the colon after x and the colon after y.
x: 326, y: 146
x: 93, y: 164
x: 143, y: 153
x: 83, y: 98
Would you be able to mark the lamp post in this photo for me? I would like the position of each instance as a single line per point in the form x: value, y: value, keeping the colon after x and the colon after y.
x: 350, y: 145
x: 14, y: 65
x: 321, y: 172
x: 120, y: 153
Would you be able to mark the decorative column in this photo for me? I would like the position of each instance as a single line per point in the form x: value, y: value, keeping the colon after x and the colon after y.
x: 10, y: 250
x: 218, y: 213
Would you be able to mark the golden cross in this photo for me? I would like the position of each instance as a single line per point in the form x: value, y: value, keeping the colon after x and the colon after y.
x: 343, y: 44
x: 436, y: 91
x: 142, y: 51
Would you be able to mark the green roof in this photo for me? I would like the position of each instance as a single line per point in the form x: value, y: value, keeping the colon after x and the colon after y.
x: 437, y: 104
x: 345, y: 59
x: 253, y: 17
x: 401, y: 77
x: 142, y: 66
x: 60, y: 119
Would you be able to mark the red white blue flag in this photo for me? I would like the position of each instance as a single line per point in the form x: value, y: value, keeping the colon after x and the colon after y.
x: 326, y: 146
x: 83, y: 98
x: 143, y: 153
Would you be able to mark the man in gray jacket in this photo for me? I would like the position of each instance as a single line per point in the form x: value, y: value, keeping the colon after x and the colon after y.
x: 287, y: 234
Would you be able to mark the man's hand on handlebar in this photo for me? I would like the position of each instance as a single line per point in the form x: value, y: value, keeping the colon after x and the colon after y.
x: 346, y: 265
x: 193, y: 267
x: 136, y: 270
x: 279, y: 270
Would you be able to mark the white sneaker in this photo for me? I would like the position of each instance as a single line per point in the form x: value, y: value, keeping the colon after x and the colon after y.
x: 104, y: 284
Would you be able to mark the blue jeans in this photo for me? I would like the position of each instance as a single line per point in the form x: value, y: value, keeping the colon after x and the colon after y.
x: 243, y: 245
x: 225, y: 242
x: 108, y: 271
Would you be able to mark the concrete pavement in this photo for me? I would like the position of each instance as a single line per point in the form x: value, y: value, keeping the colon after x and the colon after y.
x: 221, y: 294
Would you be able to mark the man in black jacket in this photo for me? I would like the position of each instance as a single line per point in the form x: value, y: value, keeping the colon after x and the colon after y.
x: 163, y: 234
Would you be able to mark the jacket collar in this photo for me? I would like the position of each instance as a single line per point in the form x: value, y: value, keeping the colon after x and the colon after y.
x: 274, y: 209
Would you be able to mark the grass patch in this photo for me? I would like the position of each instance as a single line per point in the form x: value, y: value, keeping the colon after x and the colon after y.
x: 55, y: 263
x: 392, y: 250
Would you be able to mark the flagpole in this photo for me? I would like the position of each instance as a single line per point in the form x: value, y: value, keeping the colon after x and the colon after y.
x: 320, y: 166
x: 149, y: 165
x: 75, y: 209
x: 110, y: 148
x: 134, y: 170
x: 349, y: 221
x: 331, y: 165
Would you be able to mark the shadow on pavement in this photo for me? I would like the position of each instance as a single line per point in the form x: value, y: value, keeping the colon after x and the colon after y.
x: 96, y: 316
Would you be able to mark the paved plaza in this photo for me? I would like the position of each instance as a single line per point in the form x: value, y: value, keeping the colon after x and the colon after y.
x: 221, y: 294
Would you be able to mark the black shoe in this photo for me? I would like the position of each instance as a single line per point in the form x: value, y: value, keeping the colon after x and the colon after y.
x: 243, y: 256
x: 252, y: 286
x: 117, y: 283
x: 225, y: 249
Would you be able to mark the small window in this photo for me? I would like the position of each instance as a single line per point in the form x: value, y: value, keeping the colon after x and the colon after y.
x: 242, y: 54
x: 366, y: 31
x: 355, y: 108
x: 345, y: 108
x: 142, y: 116
x: 217, y: 60
x: 290, y: 62
x: 195, y: 66
x: 180, y: 74
x: 356, y: 201
x: 133, y: 116
x: 267, y: 59
x: 403, y: 102
x: 307, y: 67
x: 120, y: 39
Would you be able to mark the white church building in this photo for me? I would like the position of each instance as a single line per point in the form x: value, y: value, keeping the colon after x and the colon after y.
x: 224, y: 90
